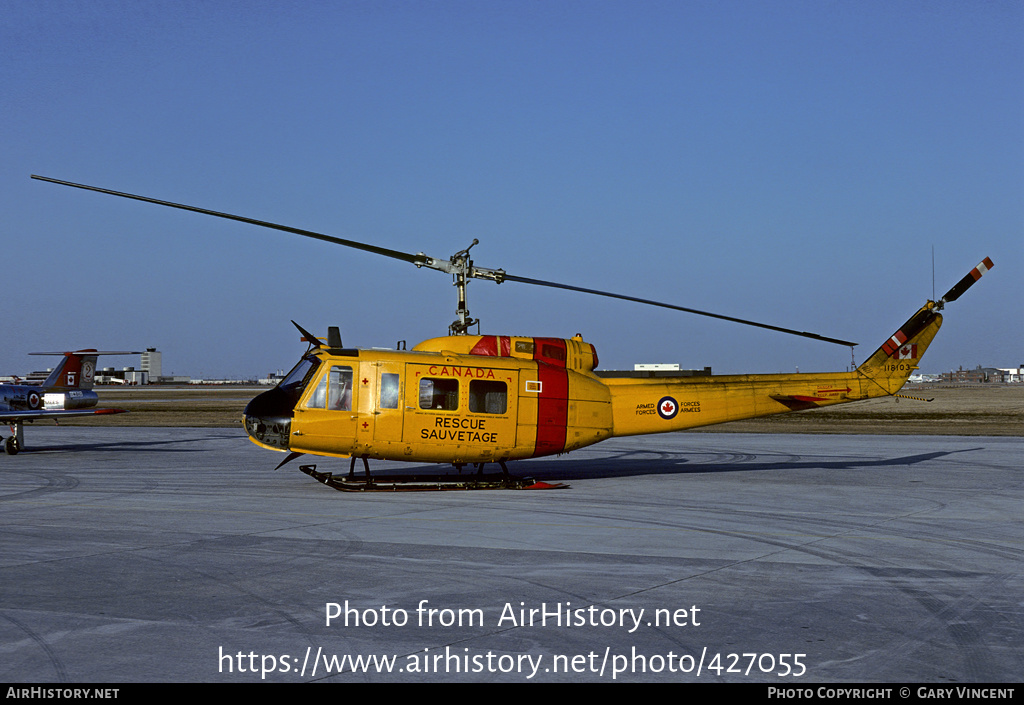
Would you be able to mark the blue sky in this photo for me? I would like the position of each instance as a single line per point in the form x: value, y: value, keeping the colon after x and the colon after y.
x: 787, y: 162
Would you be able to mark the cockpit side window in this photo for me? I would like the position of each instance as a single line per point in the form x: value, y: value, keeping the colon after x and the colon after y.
x: 389, y: 387
x: 300, y: 375
x: 318, y: 399
x: 339, y: 392
x: 333, y: 391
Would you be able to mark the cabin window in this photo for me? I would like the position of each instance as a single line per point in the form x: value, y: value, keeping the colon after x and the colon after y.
x: 442, y: 394
x: 334, y: 391
x: 389, y: 391
x: 488, y: 397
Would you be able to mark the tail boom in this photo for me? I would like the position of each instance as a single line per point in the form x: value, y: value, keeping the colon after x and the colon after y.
x: 660, y: 406
x: 657, y: 406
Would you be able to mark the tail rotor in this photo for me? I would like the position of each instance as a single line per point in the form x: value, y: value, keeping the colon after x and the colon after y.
x: 966, y: 283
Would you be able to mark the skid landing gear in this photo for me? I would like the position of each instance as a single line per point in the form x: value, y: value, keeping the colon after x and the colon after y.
x: 426, y: 483
x: 352, y: 469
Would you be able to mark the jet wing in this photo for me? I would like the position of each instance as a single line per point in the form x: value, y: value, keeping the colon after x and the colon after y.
x: 11, y: 417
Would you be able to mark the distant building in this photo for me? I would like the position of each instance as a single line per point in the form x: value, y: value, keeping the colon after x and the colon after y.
x: 152, y: 363
x: 175, y: 379
x: 1013, y: 375
x: 125, y: 375
x: 135, y: 377
x: 979, y: 375
x: 271, y: 379
x: 37, y: 377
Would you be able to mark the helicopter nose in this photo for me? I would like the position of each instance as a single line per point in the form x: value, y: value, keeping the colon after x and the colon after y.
x: 268, y: 418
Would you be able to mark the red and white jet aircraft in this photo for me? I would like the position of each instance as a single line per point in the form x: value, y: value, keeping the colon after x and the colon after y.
x: 66, y: 392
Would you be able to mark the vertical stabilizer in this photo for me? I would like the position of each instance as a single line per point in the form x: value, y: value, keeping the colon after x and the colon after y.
x: 898, y: 357
x: 76, y: 371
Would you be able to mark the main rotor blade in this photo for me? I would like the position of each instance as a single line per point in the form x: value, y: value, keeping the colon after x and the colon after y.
x: 460, y: 268
x: 308, y: 337
x: 418, y: 260
x: 555, y: 285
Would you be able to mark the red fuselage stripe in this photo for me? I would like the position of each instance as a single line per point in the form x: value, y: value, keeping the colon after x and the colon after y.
x: 495, y: 345
x: 553, y: 404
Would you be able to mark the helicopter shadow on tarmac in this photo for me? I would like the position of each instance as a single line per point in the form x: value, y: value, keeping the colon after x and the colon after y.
x: 644, y: 462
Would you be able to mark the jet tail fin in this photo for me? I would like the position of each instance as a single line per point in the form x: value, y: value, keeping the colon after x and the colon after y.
x: 77, y: 370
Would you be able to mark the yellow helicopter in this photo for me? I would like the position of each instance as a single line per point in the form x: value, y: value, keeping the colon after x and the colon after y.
x: 466, y: 399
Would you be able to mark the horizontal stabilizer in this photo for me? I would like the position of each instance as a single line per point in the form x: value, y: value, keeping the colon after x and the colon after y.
x: 797, y: 402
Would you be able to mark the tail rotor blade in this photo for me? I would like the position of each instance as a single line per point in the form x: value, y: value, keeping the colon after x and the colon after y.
x: 968, y: 281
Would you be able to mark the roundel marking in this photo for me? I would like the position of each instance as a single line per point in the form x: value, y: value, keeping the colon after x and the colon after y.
x: 668, y: 408
x: 34, y: 402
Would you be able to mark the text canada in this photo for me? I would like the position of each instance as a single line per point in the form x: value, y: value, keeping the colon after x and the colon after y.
x: 470, y: 372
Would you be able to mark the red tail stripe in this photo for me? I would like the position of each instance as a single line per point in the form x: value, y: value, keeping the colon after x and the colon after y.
x: 894, y: 343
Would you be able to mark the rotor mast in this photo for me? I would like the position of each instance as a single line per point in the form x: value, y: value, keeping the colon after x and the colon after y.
x: 463, y: 267
x: 460, y: 266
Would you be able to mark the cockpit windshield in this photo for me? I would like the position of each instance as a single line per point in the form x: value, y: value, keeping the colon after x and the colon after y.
x: 296, y: 380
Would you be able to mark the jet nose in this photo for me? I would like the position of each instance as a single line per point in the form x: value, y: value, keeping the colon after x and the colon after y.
x: 268, y: 418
